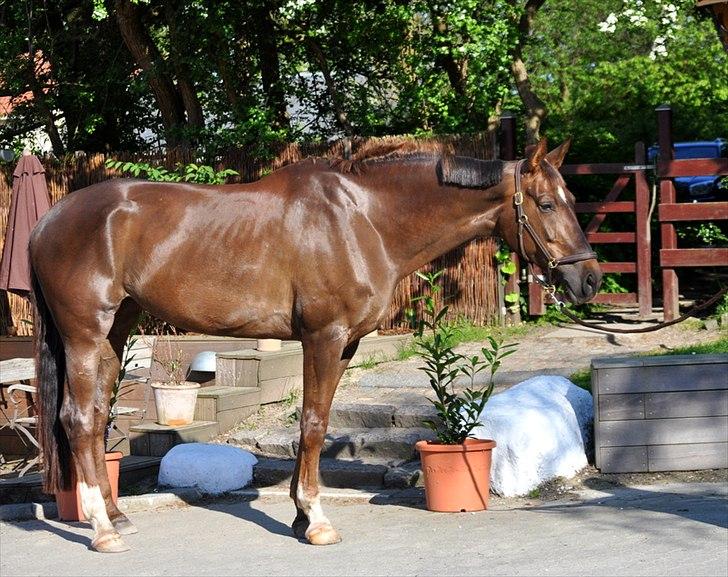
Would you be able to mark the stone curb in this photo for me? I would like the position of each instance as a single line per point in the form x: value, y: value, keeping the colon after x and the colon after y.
x: 177, y: 498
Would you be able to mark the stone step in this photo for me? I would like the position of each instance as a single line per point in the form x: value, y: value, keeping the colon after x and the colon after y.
x: 154, y: 440
x: 335, y: 473
x: 376, y: 445
x: 363, y: 416
x: 226, y: 405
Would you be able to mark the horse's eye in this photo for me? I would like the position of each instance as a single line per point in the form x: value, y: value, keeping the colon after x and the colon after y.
x: 546, y: 206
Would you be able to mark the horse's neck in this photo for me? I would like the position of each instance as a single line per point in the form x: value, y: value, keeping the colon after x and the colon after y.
x: 432, y: 219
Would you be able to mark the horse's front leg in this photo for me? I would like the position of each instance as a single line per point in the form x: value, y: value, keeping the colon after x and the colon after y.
x: 324, y: 360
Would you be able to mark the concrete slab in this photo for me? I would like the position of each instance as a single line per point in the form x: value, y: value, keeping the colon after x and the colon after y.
x: 668, y: 530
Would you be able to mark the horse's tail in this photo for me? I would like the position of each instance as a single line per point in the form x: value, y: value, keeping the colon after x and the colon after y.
x: 50, y: 360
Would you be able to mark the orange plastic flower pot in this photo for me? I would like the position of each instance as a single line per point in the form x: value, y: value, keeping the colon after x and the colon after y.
x: 69, y: 502
x: 457, y: 477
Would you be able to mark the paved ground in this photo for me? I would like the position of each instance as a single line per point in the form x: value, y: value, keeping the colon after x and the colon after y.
x: 677, y: 529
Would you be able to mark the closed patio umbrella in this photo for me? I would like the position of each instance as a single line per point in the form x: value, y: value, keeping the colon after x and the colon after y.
x: 29, y: 202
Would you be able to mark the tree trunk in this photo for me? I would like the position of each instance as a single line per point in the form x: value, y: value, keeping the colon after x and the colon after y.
x: 270, y: 65
x: 185, y: 84
x: 147, y: 56
x: 535, y: 107
x: 341, y: 116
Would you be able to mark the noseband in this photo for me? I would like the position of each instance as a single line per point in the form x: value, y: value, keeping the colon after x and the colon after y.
x: 523, y: 223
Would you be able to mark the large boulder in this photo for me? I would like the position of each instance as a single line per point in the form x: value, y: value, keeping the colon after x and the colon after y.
x: 542, y: 428
x: 213, y: 469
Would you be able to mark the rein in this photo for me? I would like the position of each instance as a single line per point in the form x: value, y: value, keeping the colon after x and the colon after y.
x: 550, y: 288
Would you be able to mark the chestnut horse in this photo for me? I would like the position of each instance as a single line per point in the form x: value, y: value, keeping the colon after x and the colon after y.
x: 312, y: 252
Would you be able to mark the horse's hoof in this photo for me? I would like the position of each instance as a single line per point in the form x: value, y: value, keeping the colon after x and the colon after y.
x: 109, y: 543
x: 123, y: 526
x: 322, y: 534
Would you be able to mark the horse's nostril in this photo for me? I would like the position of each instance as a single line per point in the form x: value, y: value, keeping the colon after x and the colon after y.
x: 590, y: 284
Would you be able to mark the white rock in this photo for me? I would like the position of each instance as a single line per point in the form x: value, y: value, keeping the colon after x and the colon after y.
x: 542, y: 428
x: 212, y: 468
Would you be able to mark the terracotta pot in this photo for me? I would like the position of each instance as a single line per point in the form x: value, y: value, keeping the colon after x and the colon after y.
x: 175, y: 403
x: 457, y: 477
x: 69, y: 502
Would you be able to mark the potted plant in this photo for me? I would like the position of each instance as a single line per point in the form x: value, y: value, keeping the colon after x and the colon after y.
x: 456, y: 467
x: 175, y: 398
x: 69, y: 502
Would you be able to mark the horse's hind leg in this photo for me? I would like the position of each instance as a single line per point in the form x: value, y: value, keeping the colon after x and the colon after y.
x: 111, y: 354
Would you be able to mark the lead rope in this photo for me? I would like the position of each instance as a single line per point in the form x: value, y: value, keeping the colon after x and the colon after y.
x: 551, y: 291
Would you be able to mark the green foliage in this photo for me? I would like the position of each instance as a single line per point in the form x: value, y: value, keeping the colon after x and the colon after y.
x: 199, y: 173
x: 610, y: 283
x: 602, y: 88
x: 458, y: 412
x: 705, y: 233
x: 506, y: 268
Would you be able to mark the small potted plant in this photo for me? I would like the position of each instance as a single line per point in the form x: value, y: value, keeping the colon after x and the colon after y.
x: 175, y: 398
x: 69, y: 502
x: 456, y: 467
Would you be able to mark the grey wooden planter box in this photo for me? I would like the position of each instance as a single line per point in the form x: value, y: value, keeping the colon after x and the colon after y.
x: 666, y: 413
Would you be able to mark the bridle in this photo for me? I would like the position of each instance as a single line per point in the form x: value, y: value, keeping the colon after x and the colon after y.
x: 524, y: 223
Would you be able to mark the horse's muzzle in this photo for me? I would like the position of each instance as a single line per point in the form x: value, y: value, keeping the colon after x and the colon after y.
x: 580, y: 281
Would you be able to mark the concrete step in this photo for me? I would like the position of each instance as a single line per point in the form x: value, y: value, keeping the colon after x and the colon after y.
x: 335, y: 473
x: 362, y: 416
x: 375, y: 445
x: 154, y: 440
x: 226, y: 405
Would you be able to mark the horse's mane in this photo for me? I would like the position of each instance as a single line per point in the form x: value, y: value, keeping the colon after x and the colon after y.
x: 454, y: 170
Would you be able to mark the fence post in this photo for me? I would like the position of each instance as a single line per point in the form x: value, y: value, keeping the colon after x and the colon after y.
x: 507, y: 148
x: 668, y: 237
x: 642, y: 216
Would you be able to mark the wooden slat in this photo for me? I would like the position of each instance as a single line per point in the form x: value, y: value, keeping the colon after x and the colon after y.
x: 663, y: 431
x: 597, y: 168
x: 630, y: 267
x: 602, y: 207
x: 687, y: 457
x: 621, y: 407
x: 692, y: 167
x: 615, y: 298
x: 685, y: 404
x: 14, y: 370
x: 677, y: 257
x: 610, y: 237
x: 665, y: 378
x: 613, y: 194
x: 622, y: 459
x: 685, y: 211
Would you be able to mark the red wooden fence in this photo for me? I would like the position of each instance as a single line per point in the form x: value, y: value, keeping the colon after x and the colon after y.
x: 670, y: 211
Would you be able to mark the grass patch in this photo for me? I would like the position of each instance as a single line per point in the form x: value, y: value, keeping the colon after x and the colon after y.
x: 582, y: 378
x: 467, y: 332
x: 719, y: 346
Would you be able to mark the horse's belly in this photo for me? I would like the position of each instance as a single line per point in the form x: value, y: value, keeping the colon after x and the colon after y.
x: 220, y: 307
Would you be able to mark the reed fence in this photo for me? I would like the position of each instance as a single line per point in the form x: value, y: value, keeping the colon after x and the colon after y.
x: 471, y: 278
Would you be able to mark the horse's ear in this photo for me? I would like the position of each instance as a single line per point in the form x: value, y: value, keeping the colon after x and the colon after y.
x: 557, y: 155
x: 535, y: 153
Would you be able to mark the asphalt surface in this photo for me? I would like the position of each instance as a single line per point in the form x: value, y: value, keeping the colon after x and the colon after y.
x: 676, y: 529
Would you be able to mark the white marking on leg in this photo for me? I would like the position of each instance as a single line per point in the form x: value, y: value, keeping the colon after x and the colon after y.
x: 562, y: 194
x: 311, y: 507
x: 94, y: 508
